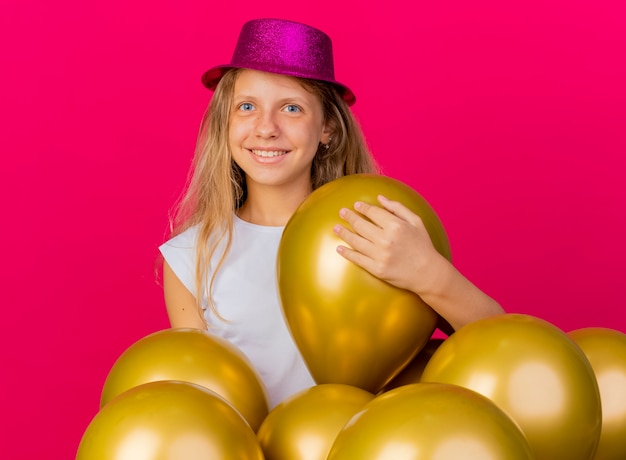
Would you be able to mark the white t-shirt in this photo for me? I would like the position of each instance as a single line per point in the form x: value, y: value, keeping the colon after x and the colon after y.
x: 245, y: 292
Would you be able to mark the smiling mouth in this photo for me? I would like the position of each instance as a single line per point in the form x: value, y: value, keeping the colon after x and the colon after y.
x: 268, y: 153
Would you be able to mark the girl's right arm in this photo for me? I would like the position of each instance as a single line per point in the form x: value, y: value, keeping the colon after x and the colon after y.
x: 182, y: 309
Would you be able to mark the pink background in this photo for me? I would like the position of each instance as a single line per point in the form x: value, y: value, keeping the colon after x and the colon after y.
x: 509, y: 117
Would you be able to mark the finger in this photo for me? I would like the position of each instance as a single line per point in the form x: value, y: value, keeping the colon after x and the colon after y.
x: 377, y: 215
x: 399, y: 210
x: 362, y: 226
x: 355, y: 257
x: 355, y: 241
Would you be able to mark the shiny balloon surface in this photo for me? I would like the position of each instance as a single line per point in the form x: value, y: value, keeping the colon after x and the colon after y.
x: 351, y: 327
x: 168, y: 420
x: 430, y: 421
x: 304, y: 426
x: 195, y: 356
x: 606, y: 350
x: 535, y: 373
x: 412, y: 373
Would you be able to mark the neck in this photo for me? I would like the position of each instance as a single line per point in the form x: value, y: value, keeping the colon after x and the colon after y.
x: 272, y: 206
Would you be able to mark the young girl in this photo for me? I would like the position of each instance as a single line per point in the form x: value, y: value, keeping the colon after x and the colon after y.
x: 279, y: 126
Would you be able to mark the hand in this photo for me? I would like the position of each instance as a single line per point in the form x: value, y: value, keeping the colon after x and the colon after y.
x: 392, y: 243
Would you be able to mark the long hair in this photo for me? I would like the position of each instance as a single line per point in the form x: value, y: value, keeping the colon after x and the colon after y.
x: 216, y: 185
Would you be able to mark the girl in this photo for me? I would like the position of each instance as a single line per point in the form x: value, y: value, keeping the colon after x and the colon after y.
x: 279, y: 126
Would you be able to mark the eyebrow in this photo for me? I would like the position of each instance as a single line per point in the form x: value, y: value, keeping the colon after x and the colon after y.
x: 285, y: 100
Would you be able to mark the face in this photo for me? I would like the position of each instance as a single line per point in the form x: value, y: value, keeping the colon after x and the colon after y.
x: 275, y: 129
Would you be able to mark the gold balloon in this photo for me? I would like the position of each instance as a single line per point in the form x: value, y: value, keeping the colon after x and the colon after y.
x: 535, y: 373
x: 168, y: 420
x: 606, y: 350
x: 191, y: 355
x: 412, y: 373
x: 304, y: 426
x: 350, y: 327
x: 430, y: 421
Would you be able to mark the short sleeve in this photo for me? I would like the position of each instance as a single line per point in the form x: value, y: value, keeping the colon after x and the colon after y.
x: 180, y: 255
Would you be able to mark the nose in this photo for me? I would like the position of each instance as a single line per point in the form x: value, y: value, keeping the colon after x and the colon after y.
x: 266, y: 125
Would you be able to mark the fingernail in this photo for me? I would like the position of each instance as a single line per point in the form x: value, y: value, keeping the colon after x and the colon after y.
x: 358, y: 205
x: 342, y: 212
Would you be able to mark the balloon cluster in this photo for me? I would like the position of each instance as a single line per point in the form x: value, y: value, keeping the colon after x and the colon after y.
x: 178, y: 394
x: 512, y: 386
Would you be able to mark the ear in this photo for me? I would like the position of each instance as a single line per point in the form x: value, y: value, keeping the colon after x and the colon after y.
x: 326, y: 134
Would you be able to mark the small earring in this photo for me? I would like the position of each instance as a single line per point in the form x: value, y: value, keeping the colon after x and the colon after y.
x: 327, y: 146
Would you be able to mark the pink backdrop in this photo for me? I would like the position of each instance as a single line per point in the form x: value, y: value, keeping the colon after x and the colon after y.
x: 509, y: 117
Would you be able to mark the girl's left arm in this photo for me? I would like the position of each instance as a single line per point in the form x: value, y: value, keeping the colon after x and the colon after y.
x: 394, y: 246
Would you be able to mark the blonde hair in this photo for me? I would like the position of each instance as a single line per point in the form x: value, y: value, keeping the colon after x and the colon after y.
x: 216, y: 185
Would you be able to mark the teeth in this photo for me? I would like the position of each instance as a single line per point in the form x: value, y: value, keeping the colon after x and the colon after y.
x: 268, y: 153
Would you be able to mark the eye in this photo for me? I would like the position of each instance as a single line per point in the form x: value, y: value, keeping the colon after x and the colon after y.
x: 292, y: 108
x: 246, y: 107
